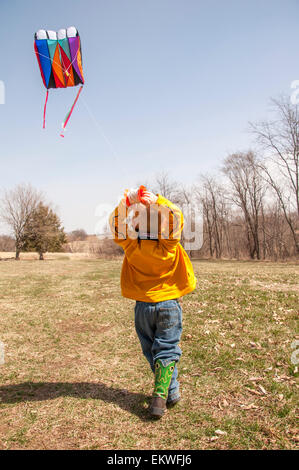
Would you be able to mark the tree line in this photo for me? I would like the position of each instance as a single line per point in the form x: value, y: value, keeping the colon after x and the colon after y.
x: 250, y: 208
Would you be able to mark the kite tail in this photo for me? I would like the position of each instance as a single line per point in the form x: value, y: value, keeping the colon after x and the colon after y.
x: 67, y: 117
x: 45, y: 109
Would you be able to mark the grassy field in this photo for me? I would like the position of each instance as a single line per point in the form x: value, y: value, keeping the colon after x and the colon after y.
x: 74, y: 376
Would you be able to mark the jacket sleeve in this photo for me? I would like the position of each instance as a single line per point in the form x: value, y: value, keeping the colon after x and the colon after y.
x: 171, y: 225
x: 118, y: 225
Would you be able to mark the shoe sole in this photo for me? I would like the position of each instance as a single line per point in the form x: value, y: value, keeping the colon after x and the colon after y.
x: 157, y: 412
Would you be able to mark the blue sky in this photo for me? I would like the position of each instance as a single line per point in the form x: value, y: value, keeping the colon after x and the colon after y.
x: 170, y: 85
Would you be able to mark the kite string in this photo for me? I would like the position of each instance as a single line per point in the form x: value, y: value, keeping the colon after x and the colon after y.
x: 107, y: 140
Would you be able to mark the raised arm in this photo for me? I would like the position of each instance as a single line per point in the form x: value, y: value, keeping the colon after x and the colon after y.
x: 172, y: 222
x: 122, y: 233
x: 118, y: 224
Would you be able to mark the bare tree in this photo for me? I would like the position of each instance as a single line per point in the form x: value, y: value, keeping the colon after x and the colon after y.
x: 16, y: 208
x: 280, y: 140
x: 166, y: 187
x: 7, y: 243
x: 215, y: 211
x: 277, y: 236
x: 77, y: 235
x: 248, y: 190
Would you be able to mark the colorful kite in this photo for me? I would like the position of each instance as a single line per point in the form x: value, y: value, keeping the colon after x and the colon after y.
x: 60, y: 61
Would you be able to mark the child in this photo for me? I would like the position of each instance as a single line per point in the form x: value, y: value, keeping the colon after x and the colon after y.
x: 156, y: 272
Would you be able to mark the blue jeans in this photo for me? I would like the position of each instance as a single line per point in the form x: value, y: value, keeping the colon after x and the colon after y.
x: 159, y: 328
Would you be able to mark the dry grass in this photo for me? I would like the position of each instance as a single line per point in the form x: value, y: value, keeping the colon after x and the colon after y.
x: 74, y: 376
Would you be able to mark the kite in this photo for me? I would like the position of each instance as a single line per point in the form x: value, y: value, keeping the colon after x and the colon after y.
x: 60, y: 61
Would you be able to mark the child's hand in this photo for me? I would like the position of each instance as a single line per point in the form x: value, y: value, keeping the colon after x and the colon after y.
x: 149, y: 198
x: 134, y: 196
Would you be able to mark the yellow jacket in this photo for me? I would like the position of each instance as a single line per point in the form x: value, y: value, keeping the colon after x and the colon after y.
x: 153, y: 270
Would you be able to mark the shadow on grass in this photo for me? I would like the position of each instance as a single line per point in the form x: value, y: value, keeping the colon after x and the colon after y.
x: 41, y: 391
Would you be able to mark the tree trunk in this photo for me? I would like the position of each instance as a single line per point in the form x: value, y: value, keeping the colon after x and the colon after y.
x: 41, y: 257
x: 18, y: 249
